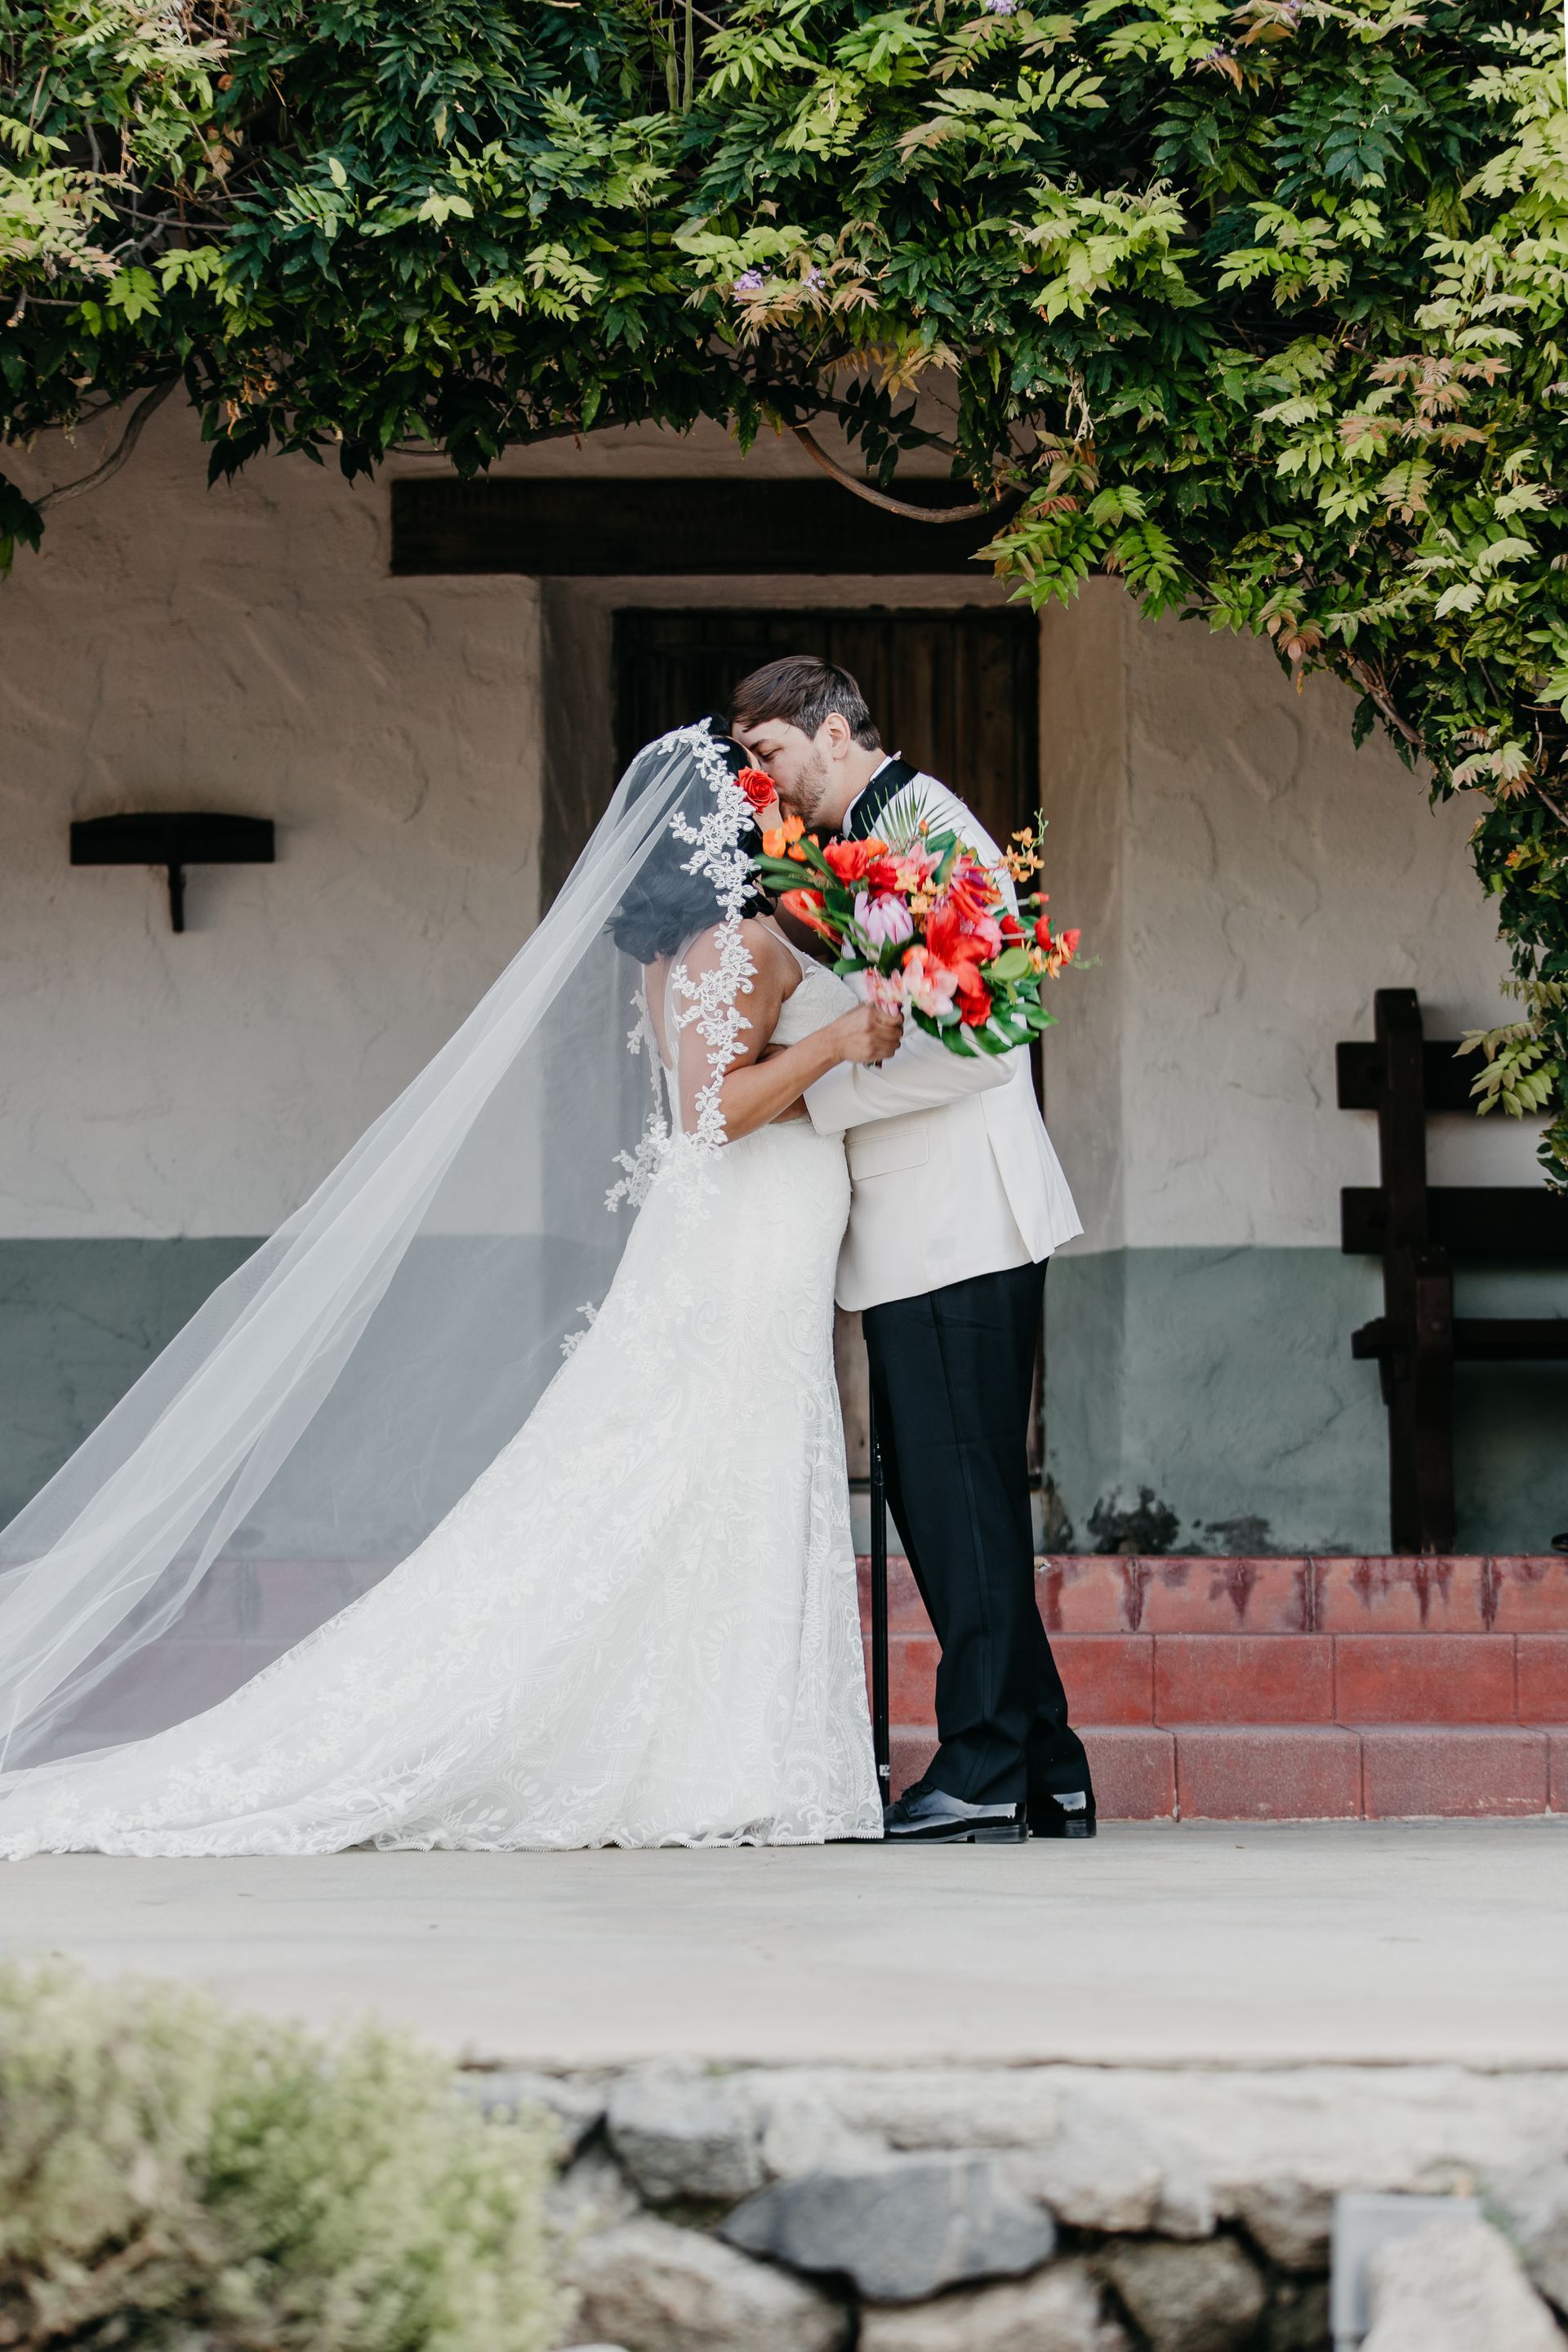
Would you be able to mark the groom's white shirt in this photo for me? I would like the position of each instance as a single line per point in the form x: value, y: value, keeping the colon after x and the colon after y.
x: 953, y: 1173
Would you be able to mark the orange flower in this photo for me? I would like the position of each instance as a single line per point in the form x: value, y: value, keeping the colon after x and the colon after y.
x: 782, y: 838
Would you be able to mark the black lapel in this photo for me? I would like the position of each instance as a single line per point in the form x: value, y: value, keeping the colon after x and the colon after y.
x: 886, y: 785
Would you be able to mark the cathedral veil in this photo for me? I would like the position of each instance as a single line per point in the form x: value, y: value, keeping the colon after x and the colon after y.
x: 323, y: 1411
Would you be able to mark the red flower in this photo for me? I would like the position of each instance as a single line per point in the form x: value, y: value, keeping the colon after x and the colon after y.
x: 944, y: 930
x: 758, y: 786
x: 1043, y: 935
x: 1069, y: 941
x: 806, y: 906
x: 1011, y: 927
x: 951, y: 940
x: 974, y: 996
x: 973, y: 890
x: 848, y: 859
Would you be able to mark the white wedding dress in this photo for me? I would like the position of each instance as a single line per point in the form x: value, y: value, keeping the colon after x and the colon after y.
x: 638, y: 1626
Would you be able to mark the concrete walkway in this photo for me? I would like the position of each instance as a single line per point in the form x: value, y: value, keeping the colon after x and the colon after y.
x: 1192, y: 1945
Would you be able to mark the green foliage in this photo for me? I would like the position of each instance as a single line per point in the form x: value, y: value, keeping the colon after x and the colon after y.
x: 172, y: 2174
x: 1259, y: 307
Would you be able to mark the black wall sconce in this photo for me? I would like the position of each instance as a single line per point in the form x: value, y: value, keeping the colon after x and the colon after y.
x: 174, y: 842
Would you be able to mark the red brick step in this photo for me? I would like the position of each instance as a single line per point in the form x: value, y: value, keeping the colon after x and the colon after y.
x: 1301, y: 1689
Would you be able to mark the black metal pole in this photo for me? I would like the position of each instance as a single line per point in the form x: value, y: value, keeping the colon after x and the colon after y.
x: 878, y: 1499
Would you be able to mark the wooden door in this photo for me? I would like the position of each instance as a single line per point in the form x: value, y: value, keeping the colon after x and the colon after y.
x: 954, y: 692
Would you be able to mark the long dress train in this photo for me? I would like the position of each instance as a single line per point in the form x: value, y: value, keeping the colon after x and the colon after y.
x: 638, y: 1626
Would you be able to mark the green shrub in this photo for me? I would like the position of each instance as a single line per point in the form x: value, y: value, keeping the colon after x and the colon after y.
x: 174, y: 2174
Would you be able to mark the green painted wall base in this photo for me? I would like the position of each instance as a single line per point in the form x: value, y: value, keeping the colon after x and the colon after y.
x: 80, y: 1321
x: 1222, y: 1379
x: 1219, y: 1379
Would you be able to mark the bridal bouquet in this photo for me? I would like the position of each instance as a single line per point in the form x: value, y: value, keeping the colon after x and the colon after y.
x: 929, y: 926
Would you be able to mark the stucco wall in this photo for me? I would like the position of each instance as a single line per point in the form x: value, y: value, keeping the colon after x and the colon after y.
x: 1247, y: 880
x: 244, y: 649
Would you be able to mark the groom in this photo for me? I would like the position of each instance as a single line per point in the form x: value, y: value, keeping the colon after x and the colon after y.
x: 958, y: 1201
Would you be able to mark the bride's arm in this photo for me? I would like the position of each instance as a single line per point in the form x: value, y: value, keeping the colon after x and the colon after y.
x: 756, y: 1091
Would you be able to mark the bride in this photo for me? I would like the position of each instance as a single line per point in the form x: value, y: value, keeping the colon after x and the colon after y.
x: 638, y: 1624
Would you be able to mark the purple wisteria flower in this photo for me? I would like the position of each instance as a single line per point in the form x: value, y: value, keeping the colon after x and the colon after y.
x: 814, y: 276
x: 749, y: 281
x: 999, y: 7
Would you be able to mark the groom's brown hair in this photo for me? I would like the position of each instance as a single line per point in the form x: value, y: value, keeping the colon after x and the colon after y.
x: 802, y: 690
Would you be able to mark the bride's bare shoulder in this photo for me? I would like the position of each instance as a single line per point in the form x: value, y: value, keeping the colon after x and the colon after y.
x: 771, y: 959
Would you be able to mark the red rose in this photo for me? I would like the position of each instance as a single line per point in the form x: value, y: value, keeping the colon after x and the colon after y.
x: 1069, y: 941
x: 1043, y: 935
x: 758, y: 786
x: 1011, y: 927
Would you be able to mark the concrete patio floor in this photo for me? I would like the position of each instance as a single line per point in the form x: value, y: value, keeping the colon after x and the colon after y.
x: 1156, y: 1945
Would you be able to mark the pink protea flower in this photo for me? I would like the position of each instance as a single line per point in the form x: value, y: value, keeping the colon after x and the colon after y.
x: 883, y: 918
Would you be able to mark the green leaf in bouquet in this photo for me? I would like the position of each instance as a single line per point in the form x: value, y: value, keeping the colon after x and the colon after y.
x: 1012, y: 964
x: 946, y: 1028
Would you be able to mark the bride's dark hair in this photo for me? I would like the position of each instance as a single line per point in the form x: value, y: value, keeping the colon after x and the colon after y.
x: 667, y: 905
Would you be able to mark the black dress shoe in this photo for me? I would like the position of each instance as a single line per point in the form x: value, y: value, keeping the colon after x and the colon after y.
x: 931, y: 1817
x: 1062, y: 1814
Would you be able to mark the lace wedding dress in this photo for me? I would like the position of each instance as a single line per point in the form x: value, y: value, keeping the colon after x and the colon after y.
x: 638, y: 1626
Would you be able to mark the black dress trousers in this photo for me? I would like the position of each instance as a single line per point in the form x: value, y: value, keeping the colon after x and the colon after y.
x: 952, y: 1373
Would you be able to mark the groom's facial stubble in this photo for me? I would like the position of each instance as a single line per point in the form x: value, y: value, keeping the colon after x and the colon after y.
x: 810, y: 785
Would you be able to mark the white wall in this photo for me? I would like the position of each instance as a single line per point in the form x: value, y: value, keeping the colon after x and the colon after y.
x: 1247, y: 880
x: 244, y: 649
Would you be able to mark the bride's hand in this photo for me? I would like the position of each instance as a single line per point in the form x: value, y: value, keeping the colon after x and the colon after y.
x: 867, y: 1034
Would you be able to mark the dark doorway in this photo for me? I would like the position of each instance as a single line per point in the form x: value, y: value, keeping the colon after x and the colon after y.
x: 955, y: 692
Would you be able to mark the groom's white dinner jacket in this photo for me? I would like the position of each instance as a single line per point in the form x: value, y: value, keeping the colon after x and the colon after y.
x: 952, y: 1171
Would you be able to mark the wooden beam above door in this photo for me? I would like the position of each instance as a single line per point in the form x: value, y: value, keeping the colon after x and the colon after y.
x: 585, y: 528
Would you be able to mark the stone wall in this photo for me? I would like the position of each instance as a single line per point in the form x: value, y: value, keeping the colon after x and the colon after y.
x: 1030, y: 2208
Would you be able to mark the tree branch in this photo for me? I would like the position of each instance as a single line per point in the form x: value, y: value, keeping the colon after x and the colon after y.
x: 1364, y: 678
x: 879, y: 498
x: 1554, y: 805
x: 119, y: 453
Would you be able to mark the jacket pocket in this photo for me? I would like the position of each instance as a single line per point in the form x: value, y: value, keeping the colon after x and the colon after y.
x: 885, y: 1145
